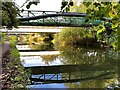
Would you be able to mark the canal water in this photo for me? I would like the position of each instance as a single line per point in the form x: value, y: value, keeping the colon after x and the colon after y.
x: 69, y: 67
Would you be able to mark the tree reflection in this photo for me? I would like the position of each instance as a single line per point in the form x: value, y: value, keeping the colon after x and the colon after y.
x: 48, y: 58
x: 78, y: 55
x: 42, y: 46
x: 23, y: 39
x: 92, y: 84
x: 37, y: 41
x: 104, y: 59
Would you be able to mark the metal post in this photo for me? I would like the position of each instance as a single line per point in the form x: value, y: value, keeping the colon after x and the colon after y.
x: 70, y: 21
x: 57, y: 76
x: 44, y: 76
x: 43, y: 18
x: 28, y: 15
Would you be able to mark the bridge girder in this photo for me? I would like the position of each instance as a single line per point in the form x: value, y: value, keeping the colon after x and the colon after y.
x: 49, y: 18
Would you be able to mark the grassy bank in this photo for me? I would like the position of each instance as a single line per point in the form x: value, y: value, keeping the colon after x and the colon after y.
x: 14, y: 75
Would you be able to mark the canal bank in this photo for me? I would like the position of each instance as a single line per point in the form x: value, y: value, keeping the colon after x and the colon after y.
x: 13, y: 73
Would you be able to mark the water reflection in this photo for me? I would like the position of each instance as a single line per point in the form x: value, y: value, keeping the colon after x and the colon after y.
x: 36, y: 41
x: 46, y: 86
x: 83, y: 68
x: 104, y: 60
x: 73, y: 67
x: 40, y: 60
x: 76, y: 55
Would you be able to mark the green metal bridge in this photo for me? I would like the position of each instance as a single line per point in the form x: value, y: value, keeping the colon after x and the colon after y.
x: 54, y: 18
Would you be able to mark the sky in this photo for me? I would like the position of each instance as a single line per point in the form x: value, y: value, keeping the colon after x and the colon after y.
x: 44, y: 5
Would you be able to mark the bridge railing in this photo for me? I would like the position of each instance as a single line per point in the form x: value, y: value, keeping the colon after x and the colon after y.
x: 30, y: 13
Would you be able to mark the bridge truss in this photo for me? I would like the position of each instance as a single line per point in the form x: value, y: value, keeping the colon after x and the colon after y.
x: 53, y: 18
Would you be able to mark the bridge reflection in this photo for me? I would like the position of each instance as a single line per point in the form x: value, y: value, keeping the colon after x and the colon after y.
x: 70, y: 73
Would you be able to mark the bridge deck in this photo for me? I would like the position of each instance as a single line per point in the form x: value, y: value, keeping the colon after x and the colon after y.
x: 30, y: 30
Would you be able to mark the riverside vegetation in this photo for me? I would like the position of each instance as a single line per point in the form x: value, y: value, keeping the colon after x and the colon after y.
x: 14, y: 75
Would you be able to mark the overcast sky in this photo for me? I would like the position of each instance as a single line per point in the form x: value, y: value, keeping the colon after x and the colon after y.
x: 44, y: 5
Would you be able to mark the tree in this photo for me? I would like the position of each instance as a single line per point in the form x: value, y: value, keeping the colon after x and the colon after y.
x: 10, y: 12
x: 108, y: 31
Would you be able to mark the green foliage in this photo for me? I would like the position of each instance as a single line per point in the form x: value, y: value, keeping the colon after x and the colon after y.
x: 9, y: 14
x: 111, y: 10
x: 108, y: 30
x: 19, y: 76
x: 2, y: 37
x: 66, y: 5
x: 83, y: 37
x: 78, y: 8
